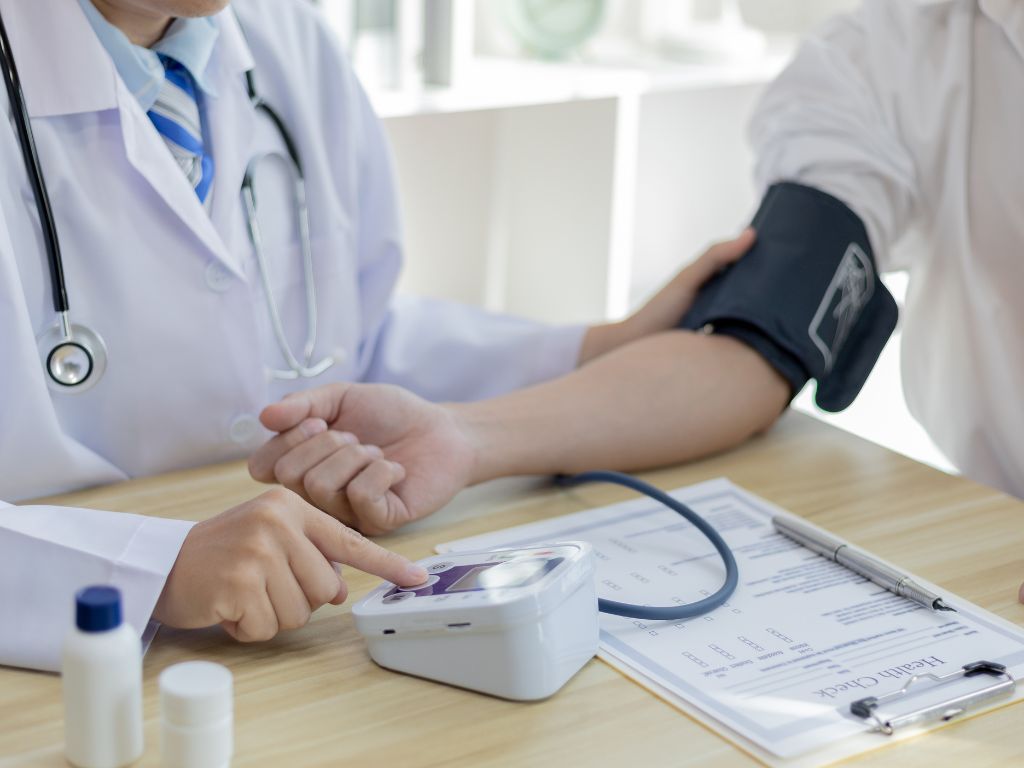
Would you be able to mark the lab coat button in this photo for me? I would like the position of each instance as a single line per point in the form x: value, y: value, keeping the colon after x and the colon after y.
x: 218, y: 277
x: 244, y: 429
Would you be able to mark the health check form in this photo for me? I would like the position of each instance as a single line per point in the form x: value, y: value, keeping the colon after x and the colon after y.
x: 800, y: 639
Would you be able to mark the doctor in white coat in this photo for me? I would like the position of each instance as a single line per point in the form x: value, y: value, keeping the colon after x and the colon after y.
x: 160, y: 264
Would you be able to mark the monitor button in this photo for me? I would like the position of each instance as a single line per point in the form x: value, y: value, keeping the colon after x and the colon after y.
x: 431, y: 581
x: 397, y: 597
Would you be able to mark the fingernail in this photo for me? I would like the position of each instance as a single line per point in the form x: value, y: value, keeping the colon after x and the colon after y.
x: 311, y: 427
x: 374, y: 451
x: 348, y: 437
x: 416, y: 574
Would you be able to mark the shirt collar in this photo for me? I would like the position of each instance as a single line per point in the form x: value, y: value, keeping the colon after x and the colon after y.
x: 189, y: 41
x: 73, y: 74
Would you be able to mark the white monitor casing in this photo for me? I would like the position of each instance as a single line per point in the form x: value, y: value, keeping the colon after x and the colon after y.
x: 515, y: 623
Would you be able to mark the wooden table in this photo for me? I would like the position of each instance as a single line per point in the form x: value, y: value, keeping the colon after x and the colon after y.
x: 313, y: 697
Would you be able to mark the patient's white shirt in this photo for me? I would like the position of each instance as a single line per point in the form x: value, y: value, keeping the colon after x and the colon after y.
x: 912, y: 113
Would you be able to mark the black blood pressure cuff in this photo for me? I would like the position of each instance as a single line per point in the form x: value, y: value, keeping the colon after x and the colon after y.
x: 807, y: 296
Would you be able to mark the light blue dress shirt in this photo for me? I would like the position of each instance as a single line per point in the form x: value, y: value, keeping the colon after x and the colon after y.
x: 190, y: 42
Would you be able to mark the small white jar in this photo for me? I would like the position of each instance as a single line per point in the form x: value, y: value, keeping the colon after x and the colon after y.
x: 196, y: 715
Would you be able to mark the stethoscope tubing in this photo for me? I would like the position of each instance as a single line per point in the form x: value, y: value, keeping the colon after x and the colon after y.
x: 296, y: 368
x: 35, y: 174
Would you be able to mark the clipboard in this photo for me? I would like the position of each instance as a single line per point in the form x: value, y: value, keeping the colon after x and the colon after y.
x: 783, y: 661
x: 872, y: 708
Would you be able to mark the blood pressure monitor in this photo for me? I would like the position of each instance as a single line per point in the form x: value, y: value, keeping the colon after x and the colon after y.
x: 515, y: 623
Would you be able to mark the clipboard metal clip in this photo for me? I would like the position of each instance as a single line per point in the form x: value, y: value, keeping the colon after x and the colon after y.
x: 1005, y: 684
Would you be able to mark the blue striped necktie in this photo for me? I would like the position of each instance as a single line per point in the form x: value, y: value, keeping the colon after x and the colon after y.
x: 176, y: 117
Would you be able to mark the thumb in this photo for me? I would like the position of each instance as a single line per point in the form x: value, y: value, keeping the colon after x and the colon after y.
x: 320, y: 403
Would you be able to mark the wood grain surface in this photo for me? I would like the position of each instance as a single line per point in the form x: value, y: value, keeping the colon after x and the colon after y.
x: 313, y: 697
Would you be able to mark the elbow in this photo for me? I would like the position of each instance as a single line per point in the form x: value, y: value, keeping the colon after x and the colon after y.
x: 740, y: 394
x: 758, y: 392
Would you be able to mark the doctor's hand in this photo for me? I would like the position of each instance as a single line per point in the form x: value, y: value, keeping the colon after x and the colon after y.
x: 664, y: 311
x: 374, y: 456
x: 266, y: 565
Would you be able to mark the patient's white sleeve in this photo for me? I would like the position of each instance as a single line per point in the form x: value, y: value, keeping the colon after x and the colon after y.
x: 832, y: 119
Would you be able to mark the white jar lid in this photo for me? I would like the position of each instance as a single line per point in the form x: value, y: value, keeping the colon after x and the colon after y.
x: 196, y: 693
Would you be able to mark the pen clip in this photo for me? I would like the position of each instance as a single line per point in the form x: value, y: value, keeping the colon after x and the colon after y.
x: 868, y: 708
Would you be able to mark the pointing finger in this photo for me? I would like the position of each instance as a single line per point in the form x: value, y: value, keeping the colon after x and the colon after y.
x: 341, y: 544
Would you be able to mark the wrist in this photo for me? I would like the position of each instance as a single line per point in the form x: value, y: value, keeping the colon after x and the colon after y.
x: 488, y: 451
x: 160, y: 612
x: 473, y: 434
x: 166, y: 608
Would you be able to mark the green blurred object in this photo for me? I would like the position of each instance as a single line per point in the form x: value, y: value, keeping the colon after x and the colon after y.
x: 552, y: 29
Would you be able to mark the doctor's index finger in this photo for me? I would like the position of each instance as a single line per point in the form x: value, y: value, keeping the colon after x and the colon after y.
x: 317, y: 403
x: 342, y: 544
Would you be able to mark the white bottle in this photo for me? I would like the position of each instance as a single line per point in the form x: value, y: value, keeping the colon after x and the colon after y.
x: 102, y: 680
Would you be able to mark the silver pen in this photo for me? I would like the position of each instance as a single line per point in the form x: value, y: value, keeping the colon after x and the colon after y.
x: 859, y: 562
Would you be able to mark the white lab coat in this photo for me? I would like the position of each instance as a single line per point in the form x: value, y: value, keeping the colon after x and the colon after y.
x: 176, y: 295
x: 910, y: 112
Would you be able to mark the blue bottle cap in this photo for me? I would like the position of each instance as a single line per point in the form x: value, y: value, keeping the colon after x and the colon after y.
x: 98, y: 609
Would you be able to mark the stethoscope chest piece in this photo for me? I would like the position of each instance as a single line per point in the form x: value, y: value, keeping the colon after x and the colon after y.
x: 74, y: 357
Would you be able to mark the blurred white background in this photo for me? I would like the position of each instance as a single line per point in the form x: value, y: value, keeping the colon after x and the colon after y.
x: 562, y: 158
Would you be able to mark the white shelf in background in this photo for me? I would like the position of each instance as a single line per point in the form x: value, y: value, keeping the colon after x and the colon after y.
x: 499, y: 83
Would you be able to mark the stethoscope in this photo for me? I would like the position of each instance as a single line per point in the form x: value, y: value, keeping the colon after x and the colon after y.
x: 305, y: 369
x: 74, y: 356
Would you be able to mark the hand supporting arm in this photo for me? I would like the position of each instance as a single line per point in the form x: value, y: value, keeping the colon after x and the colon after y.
x: 663, y: 310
